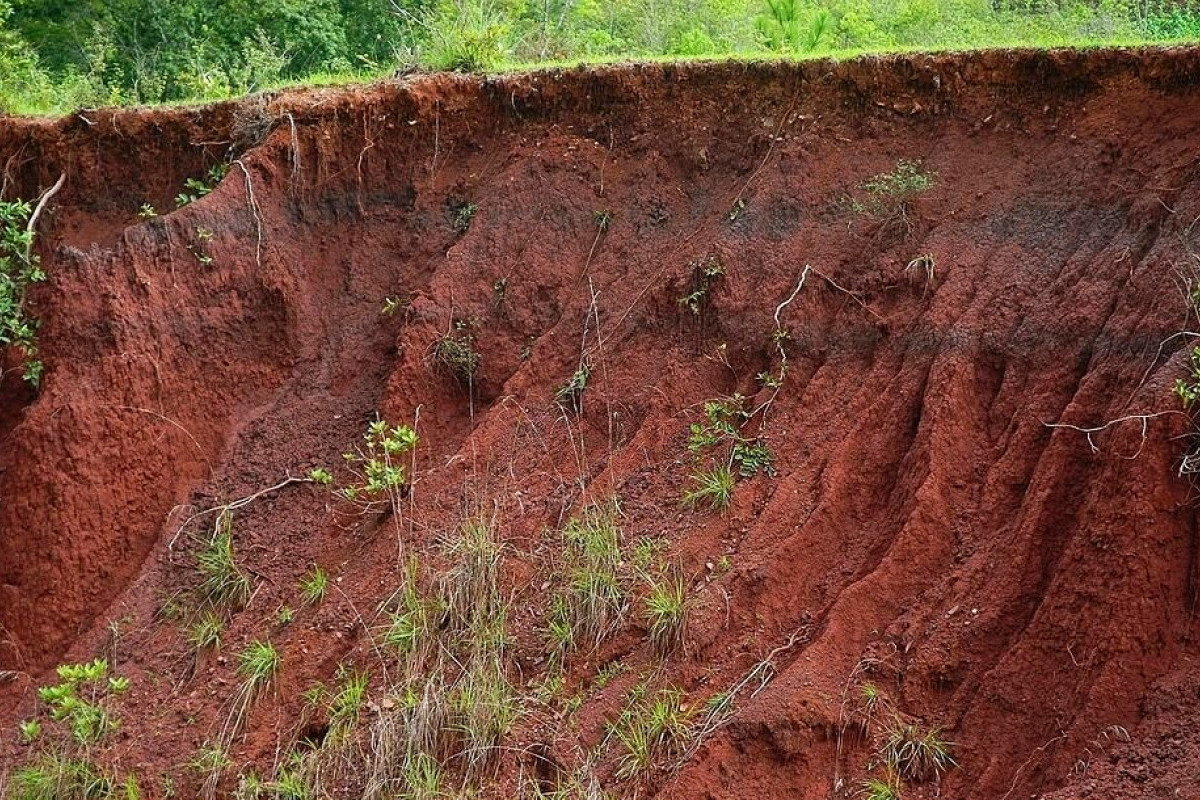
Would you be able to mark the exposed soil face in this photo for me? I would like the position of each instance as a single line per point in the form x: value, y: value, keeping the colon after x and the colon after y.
x: 925, y: 532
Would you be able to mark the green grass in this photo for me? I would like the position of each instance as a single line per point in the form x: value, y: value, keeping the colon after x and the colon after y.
x: 314, y: 585
x: 492, y: 38
x: 258, y: 663
x: 595, y: 599
x: 649, y: 728
x: 222, y: 581
x: 666, y: 613
x: 915, y: 753
x: 711, y: 487
x: 879, y: 789
x: 205, y: 632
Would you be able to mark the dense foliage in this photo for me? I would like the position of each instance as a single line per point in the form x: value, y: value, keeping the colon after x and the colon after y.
x: 59, y: 54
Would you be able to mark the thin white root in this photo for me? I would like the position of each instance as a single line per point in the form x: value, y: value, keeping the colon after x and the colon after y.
x: 255, y: 212
x: 1089, y: 432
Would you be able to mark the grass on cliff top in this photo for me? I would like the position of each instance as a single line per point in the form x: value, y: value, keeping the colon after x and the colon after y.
x: 42, y: 71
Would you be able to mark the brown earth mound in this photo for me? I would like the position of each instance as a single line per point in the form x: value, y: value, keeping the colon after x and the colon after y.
x: 925, y: 553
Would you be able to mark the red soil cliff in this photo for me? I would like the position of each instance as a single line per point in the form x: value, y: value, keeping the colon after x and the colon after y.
x: 1028, y: 590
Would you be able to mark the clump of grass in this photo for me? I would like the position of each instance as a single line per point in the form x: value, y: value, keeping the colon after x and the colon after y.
x: 211, y: 761
x: 314, y: 585
x: 712, y: 487
x: 55, y: 776
x: 667, y: 612
x: 223, y: 583
x: 916, y: 754
x: 257, y: 665
x: 595, y: 599
x: 205, y: 631
x: 880, y: 789
x: 650, y: 728
x: 470, y: 589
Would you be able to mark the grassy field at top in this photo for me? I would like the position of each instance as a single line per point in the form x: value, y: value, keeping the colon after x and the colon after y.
x: 59, y: 55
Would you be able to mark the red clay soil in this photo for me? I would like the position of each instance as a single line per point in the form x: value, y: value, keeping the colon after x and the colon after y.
x: 1028, y: 591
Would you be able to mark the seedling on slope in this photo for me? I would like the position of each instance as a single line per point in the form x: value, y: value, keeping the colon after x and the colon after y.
x: 571, y: 395
x: 223, y: 583
x: 314, y: 585
x: 705, y: 273
x: 455, y: 353
x: 915, y: 753
x: 194, y: 189
x: 666, y: 612
x: 205, y: 632
x: 712, y: 487
x: 461, y: 215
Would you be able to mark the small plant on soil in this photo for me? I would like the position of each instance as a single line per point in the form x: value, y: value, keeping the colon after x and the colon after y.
x: 285, y: 615
x: 666, y: 612
x: 393, y: 304
x: 20, y: 268
x: 314, y: 585
x: 651, y: 728
x: 889, y: 195
x: 456, y: 354
x: 710, y: 487
x: 205, y: 632
x: 377, y: 466
x: 571, y: 394
x: 222, y: 582
x: 80, y: 718
x: 595, y: 599
x: 195, y: 188
x: 29, y: 730
x: 321, y: 476
x: 1188, y: 389
x: 705, y: 273
x: 147, y: 211
x: 461, y: 214
x: 80, y: 700
x: 880, y: 789
x: 916, y: 753
x: 602, y: 219
x: 730, y: 456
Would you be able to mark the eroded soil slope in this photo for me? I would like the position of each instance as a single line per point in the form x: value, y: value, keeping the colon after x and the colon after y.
x: 924, y: 550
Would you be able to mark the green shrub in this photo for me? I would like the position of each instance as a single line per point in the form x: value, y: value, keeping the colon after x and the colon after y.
x: 20, y: 268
